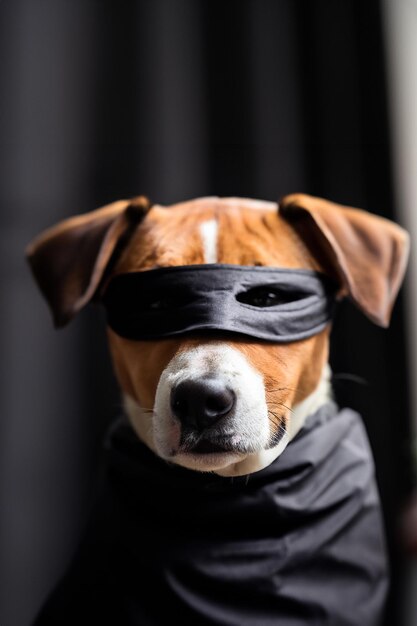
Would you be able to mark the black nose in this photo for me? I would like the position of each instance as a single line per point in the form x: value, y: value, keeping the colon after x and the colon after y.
x: 201, y: 403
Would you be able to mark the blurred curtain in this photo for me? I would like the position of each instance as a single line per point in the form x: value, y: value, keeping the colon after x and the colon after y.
x: 173, y: 99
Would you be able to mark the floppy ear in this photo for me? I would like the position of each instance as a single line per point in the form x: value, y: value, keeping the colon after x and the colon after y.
x: 69, y: 260
x: 368, y: 253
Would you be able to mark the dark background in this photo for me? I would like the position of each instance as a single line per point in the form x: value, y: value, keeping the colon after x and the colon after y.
x: 173, y: 99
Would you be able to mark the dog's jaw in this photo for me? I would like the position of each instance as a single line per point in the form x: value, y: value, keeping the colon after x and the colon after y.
x: 161, y: 432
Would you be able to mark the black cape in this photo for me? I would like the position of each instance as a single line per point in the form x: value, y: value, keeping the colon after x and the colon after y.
x: 298, y: 543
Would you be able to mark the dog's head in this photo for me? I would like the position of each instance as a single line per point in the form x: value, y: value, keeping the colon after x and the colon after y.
x: 219, y: 401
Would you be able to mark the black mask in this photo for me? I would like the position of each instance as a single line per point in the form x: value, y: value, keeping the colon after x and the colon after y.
x: 273, y: 304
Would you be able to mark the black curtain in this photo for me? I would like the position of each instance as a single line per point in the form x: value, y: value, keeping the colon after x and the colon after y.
x: 174, y: 99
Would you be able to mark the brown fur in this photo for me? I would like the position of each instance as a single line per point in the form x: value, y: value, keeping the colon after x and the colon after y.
x: 247, y: 236
x: 73, y: 262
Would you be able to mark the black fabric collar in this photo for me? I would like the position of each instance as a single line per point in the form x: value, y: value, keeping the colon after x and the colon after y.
x: 199, y: 299
x: 298, y: 543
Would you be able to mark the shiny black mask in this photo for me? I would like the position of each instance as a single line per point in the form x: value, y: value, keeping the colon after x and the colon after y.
x: 273, y: 304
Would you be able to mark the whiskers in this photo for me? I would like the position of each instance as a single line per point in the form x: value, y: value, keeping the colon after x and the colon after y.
x: 277, y: 419
x: 276, y: 403
x: 280, y: 430
x: 277, y: 409
x: 350, y: 378
x: 269, y: 387
x: 269, y: 390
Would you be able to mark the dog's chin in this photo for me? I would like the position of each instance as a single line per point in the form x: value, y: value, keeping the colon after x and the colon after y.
x: 207, y: 462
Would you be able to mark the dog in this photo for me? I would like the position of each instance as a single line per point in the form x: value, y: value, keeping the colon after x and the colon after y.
x: 237, y: 492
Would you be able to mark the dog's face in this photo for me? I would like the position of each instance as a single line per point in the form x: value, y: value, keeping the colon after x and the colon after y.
x: 216, y: 404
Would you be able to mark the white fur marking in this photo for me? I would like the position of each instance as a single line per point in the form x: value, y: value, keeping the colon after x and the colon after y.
x: 250, y: 421
x: 208, y: 231
x: 320, y: 396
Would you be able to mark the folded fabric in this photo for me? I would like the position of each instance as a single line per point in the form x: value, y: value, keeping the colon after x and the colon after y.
x: 273, y: 304
x: 297, y: 543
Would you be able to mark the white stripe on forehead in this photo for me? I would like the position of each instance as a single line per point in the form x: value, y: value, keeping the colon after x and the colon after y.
x: 208, y: 232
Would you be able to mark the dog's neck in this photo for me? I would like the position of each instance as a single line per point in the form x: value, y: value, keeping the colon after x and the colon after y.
x: 320, y: 396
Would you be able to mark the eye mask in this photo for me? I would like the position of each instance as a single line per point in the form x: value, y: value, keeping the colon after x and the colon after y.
x: 273, y: 304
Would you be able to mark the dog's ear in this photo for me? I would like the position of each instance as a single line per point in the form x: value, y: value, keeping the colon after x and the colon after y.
x: 69, y: 260
x: 368, y: 253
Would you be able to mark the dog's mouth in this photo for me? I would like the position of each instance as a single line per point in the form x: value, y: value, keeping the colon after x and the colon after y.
x: 205, y: 446
x: 209, y: 455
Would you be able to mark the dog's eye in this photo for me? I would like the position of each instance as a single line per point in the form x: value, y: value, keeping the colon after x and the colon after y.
x: 261, y: 297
